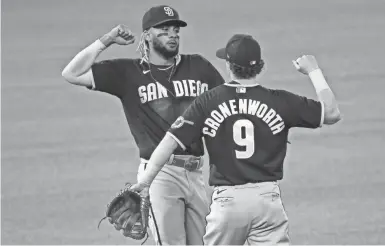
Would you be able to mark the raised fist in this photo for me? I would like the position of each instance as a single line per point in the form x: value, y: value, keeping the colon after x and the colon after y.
x: 306, y: 64
x: 119, y: 35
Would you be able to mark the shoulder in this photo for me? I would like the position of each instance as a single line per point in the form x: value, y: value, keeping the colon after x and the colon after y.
x: 195, y: 58
x: 122, y: 65
x: 289, y: 97
x: 279, y: 93
x: 120, y: 61
x: 192, y: 56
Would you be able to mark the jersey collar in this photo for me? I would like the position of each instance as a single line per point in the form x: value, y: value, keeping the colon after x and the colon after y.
x: 235, y: 83
x: 177, y: 60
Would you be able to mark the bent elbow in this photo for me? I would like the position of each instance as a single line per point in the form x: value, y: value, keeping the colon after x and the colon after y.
x: 69, y: 77
x: 338, y: 116
x: 332, y: 117
x: 335, y: 118
x: 65, y: 74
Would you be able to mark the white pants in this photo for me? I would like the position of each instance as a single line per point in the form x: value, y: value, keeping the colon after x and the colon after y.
x: 247, y: 214
x: 180, y: 205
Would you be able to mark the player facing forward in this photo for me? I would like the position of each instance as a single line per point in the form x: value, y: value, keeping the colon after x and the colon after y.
x: 246, y: 126
x: 154, y: 91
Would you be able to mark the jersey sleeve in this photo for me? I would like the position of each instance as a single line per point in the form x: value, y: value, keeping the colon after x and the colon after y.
x: 210, y: 74
x: 303, y: 112
x: 110, y: 76
x: 188, y: 127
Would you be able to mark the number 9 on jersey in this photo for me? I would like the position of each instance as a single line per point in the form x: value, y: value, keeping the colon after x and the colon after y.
x: 246, y: 140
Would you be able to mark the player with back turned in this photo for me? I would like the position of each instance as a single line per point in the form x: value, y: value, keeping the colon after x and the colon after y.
x: 245, y: 127
x: 154, y: 90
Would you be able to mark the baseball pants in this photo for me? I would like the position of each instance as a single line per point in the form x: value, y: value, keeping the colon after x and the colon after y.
x: 180, y: 205
x: 250, y: 214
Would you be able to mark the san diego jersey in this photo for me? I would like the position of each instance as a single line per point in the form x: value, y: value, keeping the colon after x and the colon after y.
x: 154, y: 96
x: 245, y: 130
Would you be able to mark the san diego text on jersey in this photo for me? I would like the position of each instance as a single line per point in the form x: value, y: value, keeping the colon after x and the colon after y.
x: 184, y: 88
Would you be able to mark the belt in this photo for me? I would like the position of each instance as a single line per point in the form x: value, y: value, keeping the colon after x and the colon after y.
x: 188, y: 162
x: 246, y: 183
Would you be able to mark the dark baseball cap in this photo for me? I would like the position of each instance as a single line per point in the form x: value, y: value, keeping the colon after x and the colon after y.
x: 242, y: 50
x: 162, y: 14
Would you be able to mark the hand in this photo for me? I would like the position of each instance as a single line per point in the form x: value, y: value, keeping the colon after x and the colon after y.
x: 306, y: 64
x: 142, y: 188
x: 118, y: 35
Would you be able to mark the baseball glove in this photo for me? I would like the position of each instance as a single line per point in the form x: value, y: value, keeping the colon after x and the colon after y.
x: 129, y: 211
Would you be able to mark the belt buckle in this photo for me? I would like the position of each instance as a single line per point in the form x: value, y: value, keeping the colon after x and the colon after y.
x: 191, y: 165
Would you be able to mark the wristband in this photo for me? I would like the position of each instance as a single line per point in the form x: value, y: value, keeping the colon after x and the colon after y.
x: 318, y: 80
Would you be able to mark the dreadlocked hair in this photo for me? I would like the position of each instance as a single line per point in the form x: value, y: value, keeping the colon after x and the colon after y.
x: 246, y: 72
x: 143, y: 48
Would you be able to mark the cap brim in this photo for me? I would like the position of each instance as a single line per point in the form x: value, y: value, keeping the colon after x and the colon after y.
x: 171, y: 21
x: 221, y: 53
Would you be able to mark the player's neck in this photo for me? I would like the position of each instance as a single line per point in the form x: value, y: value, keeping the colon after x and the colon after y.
x: 246, y: 81
x: 157, y: 59
x: 252, y: 81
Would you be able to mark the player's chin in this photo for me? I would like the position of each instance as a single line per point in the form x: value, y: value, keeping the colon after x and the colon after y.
x: 172, y: 51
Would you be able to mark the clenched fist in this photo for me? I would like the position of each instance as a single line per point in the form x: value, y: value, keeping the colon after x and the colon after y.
x: 306, y: 64
x: 118, y: 35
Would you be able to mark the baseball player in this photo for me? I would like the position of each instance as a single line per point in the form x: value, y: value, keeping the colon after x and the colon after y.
x: 245, y: 127
x: 154, y: 91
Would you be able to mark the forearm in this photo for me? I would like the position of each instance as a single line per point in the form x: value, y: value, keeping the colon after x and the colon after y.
x: 158, y: 159
x: 83, y: 61
x: 326, y: 96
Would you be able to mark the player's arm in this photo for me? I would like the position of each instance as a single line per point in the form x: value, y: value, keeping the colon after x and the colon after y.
x: 79, y: 72
x: 158, y: 159
x: 185, y: 130
x: 308, y: 65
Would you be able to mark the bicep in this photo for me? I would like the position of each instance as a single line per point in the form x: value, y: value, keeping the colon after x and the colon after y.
x: 331, y: 113
x: 86, y: 79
